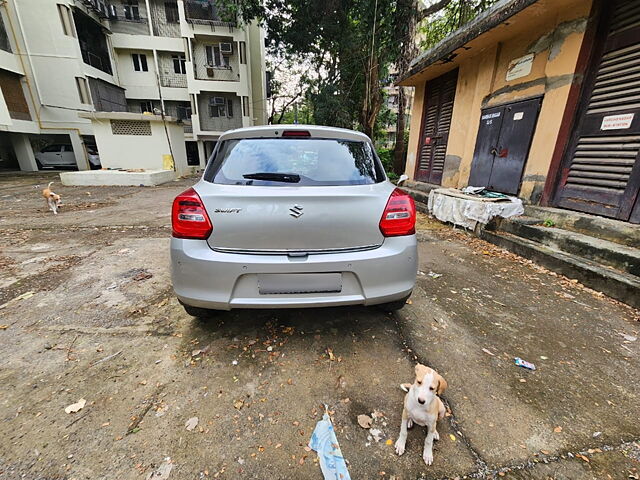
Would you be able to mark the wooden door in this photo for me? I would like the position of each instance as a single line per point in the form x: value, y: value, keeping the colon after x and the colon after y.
x: 436, y: 122
x: 502, y: 145
x: 601, y: 170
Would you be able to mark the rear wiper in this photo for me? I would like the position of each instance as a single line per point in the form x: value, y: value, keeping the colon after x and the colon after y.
x: 274, y: 177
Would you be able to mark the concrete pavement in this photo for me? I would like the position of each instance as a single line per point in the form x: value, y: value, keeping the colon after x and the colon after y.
x: 92, y: 316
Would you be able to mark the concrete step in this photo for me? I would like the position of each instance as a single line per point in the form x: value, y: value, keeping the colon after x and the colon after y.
x: 617, y: 231
x: 620, y: 257
x: 420, y: 197
x: 619, y: 285
x: 422, y: 186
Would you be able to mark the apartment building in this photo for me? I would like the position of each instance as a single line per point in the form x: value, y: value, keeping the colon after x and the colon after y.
x: 62, y: 58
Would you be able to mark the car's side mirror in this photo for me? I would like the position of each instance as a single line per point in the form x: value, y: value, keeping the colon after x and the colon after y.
x: 403, y: 178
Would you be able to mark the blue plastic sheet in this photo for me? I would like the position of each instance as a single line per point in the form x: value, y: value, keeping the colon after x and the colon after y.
x: 324, y: 441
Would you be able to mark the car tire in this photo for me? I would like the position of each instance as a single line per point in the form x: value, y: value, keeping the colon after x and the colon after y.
x: 391, y: 307
x: 202, y: 313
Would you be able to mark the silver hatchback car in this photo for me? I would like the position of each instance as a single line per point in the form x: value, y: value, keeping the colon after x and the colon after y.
x: 289, y: 216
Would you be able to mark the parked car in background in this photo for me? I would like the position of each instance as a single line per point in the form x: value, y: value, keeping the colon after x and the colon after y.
x: 293, y: 216
x: 61, y: 155
x: 56, y: 155
x: 94, y: 157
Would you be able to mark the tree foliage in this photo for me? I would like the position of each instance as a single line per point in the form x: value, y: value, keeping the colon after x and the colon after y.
x: 348, y: 45
x: 451, y: 15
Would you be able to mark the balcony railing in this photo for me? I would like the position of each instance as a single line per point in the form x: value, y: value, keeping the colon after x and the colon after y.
x: 96, y: 61
x: 173, y: 80
x: 134, y: 26
x: 204, y: 12
x: 216, y: 72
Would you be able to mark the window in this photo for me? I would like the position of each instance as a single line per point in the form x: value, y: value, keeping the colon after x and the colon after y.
x: 179, y: 64
x: 65, y: 19
x: 215, y: 58
x: 184, y: 112
x: 245, y: 106
x: 83, y: 90
x: 171, y: 12
x: 131, y: 10
x: 146, y: 106
x: 140, y: 62
x: 243, y: 52
x: 229, y: 108
x: 220, y: 107
x: 316, y: 161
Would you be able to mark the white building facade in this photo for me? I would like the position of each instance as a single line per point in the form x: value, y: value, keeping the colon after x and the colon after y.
x: 61, y: 58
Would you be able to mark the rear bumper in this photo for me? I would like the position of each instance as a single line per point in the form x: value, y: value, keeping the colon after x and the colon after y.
x: 208, y: 279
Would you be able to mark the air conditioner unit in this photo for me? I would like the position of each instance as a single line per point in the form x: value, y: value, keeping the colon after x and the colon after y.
x: 218, y: 101
x: 226, y: 48
x: 210, y: 71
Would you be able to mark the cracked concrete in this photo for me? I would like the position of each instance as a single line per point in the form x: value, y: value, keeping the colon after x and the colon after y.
x: 256, y: 380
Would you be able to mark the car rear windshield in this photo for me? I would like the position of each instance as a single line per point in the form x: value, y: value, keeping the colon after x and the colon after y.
x: 294, y: 161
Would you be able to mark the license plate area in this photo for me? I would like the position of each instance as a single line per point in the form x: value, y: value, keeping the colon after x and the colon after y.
x: 292, y: 283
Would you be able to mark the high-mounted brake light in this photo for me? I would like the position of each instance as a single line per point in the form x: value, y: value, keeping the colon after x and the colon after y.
x: 399, y: 217
x: 296, y: 133
x: 189, y: 218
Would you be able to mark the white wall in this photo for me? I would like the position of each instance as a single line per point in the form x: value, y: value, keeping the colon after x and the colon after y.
x: 136, y: 81
x: 140, y: 151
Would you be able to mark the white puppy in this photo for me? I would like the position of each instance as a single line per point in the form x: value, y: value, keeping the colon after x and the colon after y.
x: 422, y: 406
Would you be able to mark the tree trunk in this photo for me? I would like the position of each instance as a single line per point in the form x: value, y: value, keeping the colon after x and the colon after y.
x: 372, y: 99
x: 407, y: 53
x: 400, y: 149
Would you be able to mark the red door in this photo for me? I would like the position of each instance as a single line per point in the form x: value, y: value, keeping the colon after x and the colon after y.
x: 434, y: 132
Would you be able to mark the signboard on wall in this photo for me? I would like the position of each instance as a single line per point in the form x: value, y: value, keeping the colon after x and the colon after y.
x: 520, y: 67
x: 616, y: 122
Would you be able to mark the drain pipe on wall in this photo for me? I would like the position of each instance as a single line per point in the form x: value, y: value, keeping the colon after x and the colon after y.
x: 164, y: 121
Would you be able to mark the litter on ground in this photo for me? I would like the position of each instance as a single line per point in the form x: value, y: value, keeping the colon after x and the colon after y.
x: 325, y: 443
x: 76, y: 407
x: 522, y: 363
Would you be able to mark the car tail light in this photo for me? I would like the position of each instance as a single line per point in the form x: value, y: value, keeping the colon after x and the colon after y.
x: 296, y: 133
x: 399, y: 217
x: 189, y: 218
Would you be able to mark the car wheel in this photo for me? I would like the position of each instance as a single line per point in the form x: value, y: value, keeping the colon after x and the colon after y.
x: 391, y: 307
x: 199, y: 312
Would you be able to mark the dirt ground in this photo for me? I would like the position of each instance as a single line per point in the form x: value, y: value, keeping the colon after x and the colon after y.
x: 87, y: 312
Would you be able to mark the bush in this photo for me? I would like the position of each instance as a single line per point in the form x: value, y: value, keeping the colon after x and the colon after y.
x: 386, y: 157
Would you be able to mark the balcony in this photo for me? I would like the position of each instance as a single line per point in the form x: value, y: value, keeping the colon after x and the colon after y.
x: 165, y: 18
x: 218, y: 112
x: 216, y: 58
x: 173, y: 70
x: 133, y: 26
x: 204, y: 12
x: 93, y: 42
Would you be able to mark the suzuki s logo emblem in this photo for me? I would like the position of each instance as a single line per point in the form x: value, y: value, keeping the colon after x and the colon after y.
x: 296, y: 211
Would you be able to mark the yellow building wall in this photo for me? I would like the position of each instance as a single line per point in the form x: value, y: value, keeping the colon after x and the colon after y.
x: 553, y: 32
x: 414, y: 129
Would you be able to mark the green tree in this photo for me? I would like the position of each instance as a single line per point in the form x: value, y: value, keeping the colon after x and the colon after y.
x: 348, y: 45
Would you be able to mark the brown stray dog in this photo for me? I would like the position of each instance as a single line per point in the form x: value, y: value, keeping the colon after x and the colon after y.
x: 422, y: 406
x: 53, y: 199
